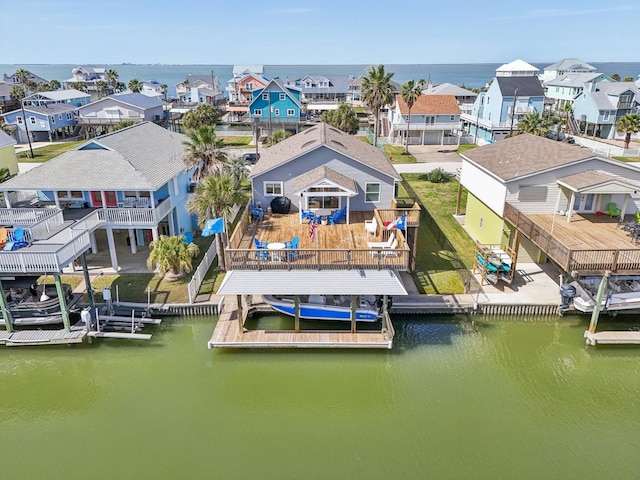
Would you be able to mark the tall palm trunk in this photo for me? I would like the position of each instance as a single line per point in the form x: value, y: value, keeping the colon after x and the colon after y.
x: 222, y: 263
x: 406, y: 143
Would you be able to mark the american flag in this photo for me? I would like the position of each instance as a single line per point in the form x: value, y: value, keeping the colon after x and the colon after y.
x: 312, y: 230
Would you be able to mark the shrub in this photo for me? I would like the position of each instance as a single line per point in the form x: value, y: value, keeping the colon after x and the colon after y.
x: 438, y: 175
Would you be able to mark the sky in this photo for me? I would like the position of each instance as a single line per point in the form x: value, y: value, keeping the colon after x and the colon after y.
x: 285, y: 32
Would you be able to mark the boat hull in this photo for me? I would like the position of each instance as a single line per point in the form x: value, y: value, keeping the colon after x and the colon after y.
x: 313, y: 311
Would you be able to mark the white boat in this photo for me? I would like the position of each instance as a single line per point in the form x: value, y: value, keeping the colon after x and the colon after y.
x: 622, y: 294
x: 327, y: 307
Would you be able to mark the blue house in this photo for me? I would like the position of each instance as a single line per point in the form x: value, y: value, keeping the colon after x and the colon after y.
x: 514, y: 92
x: 133, y: 180
x: 599, y: 106
x: 276, y: 107
x: 42, y: 122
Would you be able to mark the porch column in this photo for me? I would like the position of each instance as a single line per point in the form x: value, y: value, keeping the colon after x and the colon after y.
x: 56, y: 199
x: 172, y: 226
x: 154, y: 232
x: 6, y: 199
x: 62, y: 301
x: 112, y: 249
x: 6, y: 314
x: 152, y: 200
x: 94, y: 242
x: 624, y: 206
x: 132, y: 240
x: 570, y: 209
x: 354, y: 308
x: 348, y: 209
x: 240, y: 314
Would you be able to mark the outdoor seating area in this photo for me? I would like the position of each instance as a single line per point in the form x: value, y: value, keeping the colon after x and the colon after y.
x: 273, y: 250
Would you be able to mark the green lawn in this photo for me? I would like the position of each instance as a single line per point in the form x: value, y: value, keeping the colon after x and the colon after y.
x: 43, y: 154
x: 627, y: 159
x: 243, y: 141
x: 464, y: 148
x: 444, y: 247
x: 396, y: 153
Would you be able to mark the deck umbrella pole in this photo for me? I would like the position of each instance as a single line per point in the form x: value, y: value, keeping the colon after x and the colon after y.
x: 6, y: 314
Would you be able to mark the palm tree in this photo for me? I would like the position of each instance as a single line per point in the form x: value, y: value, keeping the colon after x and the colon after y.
x: 628, y: 124
x: 112, y: 77
x: 17, y: 92
x: 236, y: 169
x: 164, y: 88
x: 204, y: 152
x: 101, y: 85
x: 171, y: 255
x: 410, y: 93
x: 376, y: 93
x: 204, y: 114
x: 277, y: 137
x: 628, y: 79
x: 135, y: 85
x: 615, y: 77
x: 533, y: 123
x: 54, y: 84
x: 44, y: 87
x: 215, y: 197
x: 567, y: 109
x: 343, y: 118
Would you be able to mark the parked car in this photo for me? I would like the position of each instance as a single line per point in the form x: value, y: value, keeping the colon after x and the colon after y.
x: 251, y: 158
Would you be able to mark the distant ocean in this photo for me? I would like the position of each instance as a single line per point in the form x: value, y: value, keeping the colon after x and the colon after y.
x: 471, y: 75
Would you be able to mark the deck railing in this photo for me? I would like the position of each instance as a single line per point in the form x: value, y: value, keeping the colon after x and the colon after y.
x: 135, y: 217
x: 317, y: 259
x: 26, y: 216
x: 595, y: 261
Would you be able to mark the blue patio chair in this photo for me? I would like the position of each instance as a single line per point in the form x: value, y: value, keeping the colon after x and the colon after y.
x: 293, y: 245
x: 187, y: 237
x: 262, y: 253
x: 256, y: 213
x: 338, y: 215
x: 18, y: 240
x: 308, y: 215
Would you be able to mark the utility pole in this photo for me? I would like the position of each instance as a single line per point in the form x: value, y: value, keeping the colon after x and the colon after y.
x: 513, y: 110
x: 26, y: 129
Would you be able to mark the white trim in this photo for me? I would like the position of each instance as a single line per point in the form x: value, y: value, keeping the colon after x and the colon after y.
x: 264, y: 187
x: 366, y: 185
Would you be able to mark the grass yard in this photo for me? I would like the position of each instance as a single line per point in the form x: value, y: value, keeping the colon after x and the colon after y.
x: 627, y: 159
x: 396, y: 153
x: 234, y: 141
x: 445, y: 247
x: 42, y: 154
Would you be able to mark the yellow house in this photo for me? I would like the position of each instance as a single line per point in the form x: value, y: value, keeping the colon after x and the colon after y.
x: 8, y: 157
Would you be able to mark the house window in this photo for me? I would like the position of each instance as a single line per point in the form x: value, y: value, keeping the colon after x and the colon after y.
x: 176, y: 187
x: 59, y: 116
x: 71, y: 194
x: 265, y: 96
x: 32, y: 120
x: 273, y: 188
x: 452, y: 118
x: 372, y: 192
x: 248, y: 86
x: 605, y: 115
x: 257, y: 112
x: 276, y: 112
x: 249, y: 98
x: 19, y: 119
x: 282, y: 96
x: 53, y: 119
x: 291, y: 112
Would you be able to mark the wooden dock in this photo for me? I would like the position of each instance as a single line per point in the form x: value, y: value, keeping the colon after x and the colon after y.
x: 227, y: 334
x: 613, y: 338
x: 42, y: 337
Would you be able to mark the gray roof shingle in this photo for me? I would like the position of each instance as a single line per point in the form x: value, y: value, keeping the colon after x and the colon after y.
x: 141, y: 157
x: 327, y: 136
x: 527, y: 86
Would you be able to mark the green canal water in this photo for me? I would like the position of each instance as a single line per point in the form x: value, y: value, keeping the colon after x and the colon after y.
x: 492, y: 399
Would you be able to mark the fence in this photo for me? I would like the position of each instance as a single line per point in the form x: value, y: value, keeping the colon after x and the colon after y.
x: 606, y: 149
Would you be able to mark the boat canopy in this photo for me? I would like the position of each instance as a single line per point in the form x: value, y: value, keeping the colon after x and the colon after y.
x: 312, y: 282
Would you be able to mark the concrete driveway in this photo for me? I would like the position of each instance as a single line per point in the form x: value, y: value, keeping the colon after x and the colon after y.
x: 430, y: 157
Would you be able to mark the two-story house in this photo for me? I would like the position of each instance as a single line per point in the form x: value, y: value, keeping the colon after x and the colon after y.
x: 234, y: 89
x: 71, y: 97
x: 276, y: 107
x: 514, y: 92
x: 550, y: 200
x: 563, y: 89
x: 131, y: 183
x: 42, y: 123
x: 435, y: 120
x: 114, y: 109
x: 599, y: 106
x: 241, y: 90
x: 464, y: 97
x: 565, y: 66
x: 324, y: 92
x: 197, y: 89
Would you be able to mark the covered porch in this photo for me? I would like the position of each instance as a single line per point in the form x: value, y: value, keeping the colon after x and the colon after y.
x: 324, y: 191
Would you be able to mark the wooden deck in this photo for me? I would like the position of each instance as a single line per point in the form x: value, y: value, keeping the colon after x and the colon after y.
x: 333, y: 246
x: 227, y: 334
x: 42, y: 337
x: 613, y: 338
x: 589, y: 244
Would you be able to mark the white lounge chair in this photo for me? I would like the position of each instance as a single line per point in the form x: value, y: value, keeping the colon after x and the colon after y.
x: 386, y: 251
x: 371, y: 226
x: 386, y: 244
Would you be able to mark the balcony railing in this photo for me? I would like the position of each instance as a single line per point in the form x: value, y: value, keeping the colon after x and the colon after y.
x: 135, y: 217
